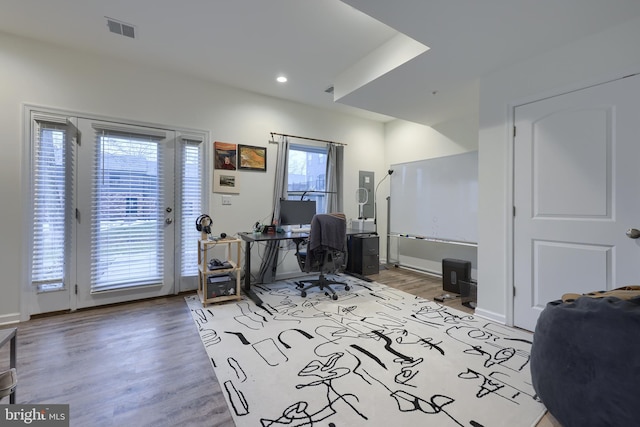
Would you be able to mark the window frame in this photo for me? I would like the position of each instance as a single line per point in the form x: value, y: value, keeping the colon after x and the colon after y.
x: 318, y: 193
x: 37, y: 124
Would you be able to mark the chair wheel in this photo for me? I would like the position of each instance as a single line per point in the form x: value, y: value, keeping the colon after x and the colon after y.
x: 346, y: 288
x: 334, y: 297
x: 303, y: 294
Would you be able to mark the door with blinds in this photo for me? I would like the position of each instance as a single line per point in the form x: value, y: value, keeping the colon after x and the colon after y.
x: 113, y: 208
x: 125, y: 212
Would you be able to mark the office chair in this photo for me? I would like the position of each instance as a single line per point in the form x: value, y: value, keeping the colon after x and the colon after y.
x: 8, y: 383
x: 326, y: 252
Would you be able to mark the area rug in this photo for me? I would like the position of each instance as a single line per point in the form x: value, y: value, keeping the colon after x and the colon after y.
x: 377, y: 356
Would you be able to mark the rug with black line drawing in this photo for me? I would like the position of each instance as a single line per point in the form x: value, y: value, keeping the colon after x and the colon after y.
x: 375, y: 357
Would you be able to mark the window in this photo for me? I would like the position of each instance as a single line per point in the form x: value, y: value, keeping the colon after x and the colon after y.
x: 191, y: 204
x: 307, y: 169
x: 127, y: 211
x: 49, y: 205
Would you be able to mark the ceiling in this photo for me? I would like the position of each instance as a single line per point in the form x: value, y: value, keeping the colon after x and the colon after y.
x: 415, y: 60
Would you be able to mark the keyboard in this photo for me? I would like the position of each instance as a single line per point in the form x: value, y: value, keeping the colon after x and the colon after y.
x: 300, y: 230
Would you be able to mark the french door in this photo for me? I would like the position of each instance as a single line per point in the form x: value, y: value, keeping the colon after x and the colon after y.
x: 113, y: 209
x: 125, y: 213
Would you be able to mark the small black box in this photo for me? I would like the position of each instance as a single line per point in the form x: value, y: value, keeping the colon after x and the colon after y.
x: 454, y: 271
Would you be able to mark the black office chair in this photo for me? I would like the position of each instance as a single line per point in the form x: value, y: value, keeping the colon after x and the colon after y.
x: 325, y: 252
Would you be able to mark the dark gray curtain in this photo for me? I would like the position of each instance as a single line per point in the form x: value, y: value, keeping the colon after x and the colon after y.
x: 269, y: 263
x: 335, y: 172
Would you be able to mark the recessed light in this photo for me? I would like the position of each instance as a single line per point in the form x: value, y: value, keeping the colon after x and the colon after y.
x: 281, y: 79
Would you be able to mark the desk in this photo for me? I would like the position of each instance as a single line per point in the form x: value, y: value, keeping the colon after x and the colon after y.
x: 250, y: 237
x: 9, y: 335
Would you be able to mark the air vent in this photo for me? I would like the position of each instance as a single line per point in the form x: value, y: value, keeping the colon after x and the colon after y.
x: 329, y: 89
x: 121, y: 28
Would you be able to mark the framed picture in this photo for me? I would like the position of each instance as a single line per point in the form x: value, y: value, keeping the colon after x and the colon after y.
x: 224, y: 155
x: 225, y: 181
x: 252, y: 158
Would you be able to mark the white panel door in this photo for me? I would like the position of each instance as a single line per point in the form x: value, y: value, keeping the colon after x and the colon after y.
x: 576, y: 176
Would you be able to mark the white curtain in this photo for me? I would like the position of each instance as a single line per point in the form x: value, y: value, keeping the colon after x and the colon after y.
x: 269, y: 263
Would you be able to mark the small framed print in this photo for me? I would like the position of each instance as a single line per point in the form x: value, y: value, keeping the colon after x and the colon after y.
x: 252, y: 158
x: 224, y: 155
x: 225, y: 181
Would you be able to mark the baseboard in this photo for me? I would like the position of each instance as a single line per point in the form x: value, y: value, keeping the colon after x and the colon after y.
x: 490, y: 315
x: 9, y: 319
x: 418, y: 269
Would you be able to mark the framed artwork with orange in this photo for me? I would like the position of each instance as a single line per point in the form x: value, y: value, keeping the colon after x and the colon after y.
x: 252, y: 158
x: 224, y: 155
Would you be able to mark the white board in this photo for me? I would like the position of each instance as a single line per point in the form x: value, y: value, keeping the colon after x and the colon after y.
x: 436, y: 198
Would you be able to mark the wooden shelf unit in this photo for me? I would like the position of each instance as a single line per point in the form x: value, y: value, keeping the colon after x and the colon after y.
x: 231, y: 256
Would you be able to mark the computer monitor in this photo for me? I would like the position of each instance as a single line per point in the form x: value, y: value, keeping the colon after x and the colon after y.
x: 297, y: 212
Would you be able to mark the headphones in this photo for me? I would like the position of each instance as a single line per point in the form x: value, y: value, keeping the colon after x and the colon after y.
x: 200, y: 226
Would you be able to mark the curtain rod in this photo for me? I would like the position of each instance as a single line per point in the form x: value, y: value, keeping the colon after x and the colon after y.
x: 304, y: 137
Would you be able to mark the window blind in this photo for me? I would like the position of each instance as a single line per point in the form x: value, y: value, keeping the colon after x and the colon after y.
x: 191, y: 191
x: 49, y: 205
x: 127, y: 233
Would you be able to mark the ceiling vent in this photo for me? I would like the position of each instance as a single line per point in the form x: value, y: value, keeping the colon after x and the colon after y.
x: 329, y: 89
x: 121, y: 28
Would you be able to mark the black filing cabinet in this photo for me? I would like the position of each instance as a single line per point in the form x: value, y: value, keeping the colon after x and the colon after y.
x: 364, y: 257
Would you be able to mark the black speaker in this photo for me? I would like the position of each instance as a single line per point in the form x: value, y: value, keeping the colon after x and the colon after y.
x: 453, y: 272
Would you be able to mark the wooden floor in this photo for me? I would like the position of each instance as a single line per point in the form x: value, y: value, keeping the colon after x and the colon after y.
x: 142, y: 363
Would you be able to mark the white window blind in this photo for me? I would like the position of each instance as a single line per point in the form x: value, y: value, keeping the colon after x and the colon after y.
x: 50, y: 194
x: 191, y: 204
x: 127, y: 232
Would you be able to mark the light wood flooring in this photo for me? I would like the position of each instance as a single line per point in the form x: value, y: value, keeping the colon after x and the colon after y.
x: 142, y: 363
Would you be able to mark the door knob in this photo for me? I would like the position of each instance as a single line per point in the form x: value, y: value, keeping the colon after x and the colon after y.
x: 168, y: 220
x: 633, y: 233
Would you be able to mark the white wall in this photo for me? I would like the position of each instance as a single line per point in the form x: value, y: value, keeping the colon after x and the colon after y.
x: 45, y: 75
x: 408, y: 141
x: 595, y: 59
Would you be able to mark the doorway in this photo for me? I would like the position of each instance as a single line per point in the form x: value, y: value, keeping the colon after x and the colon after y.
x: 111, y: 204
x: 125, y: 205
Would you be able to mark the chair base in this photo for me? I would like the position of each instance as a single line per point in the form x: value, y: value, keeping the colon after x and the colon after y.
x: 8, y: 382
x: 323, y: 283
